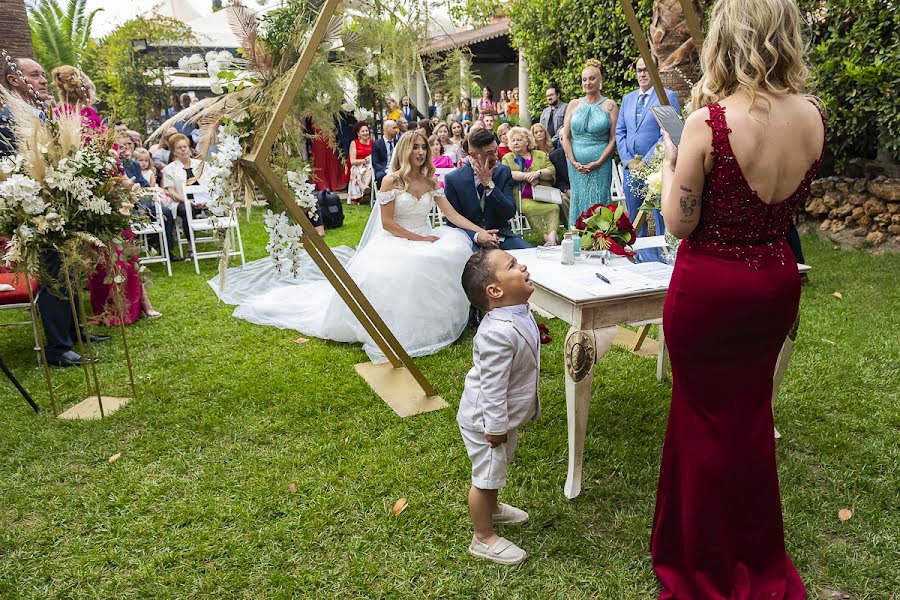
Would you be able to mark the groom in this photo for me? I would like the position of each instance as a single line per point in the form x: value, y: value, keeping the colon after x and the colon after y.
x: 481, y: 190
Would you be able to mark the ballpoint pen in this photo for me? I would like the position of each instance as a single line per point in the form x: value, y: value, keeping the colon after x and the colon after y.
x: 602, y: 278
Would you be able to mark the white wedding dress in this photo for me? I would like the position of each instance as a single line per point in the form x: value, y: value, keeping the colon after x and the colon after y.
x: 414, y: 286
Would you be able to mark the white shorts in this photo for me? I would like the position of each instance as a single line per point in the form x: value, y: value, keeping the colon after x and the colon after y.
x: 489, y: 464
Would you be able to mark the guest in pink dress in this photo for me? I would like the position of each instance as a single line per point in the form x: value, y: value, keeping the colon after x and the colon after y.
x: 75, y: 97
x: 438, y: 158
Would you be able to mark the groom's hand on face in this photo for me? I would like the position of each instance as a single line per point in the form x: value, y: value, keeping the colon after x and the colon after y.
x: 484, y: 169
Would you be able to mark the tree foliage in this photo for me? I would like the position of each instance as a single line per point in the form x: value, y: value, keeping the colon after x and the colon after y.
x: 62, y: 37
x: 558, y: 36
x: 131, y: 83
x: 855, y: 57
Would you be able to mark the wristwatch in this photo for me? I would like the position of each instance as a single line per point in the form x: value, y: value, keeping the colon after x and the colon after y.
x: 490, y: 186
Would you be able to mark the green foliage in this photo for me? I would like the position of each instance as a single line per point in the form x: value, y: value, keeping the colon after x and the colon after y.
x: 445, y: 75
x: 855, y: 58
x: 559, y: 36
x: 475, y: 12
x: 133, y: 84
x: 62, y: 37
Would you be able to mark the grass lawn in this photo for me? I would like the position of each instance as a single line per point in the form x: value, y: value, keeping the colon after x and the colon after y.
x: 230, y: 414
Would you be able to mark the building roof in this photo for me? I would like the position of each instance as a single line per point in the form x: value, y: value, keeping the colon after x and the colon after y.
x: 451, y: 41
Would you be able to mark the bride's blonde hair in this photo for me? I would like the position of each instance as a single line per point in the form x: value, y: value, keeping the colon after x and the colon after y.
x: 752, y: 46
x: 401, y: 165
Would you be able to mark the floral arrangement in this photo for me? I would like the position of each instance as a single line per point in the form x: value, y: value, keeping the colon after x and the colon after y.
x: 304, y: 190
x: 606, y: 227
x: 226, y: 72
x: 61, y: 192
x: 646, y: 181
x: 284, y: 242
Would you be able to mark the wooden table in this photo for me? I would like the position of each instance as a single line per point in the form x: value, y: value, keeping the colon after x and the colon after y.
x: 593, y: 310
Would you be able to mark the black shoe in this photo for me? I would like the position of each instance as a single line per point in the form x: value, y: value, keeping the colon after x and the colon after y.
x: 67, y: 359
x: 96, y: 339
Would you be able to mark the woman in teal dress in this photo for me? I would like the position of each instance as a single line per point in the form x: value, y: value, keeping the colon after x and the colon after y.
x: 589, y: 140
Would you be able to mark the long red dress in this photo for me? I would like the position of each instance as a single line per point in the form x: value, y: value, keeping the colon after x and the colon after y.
x: 328, y: 172
x: 718, y: 532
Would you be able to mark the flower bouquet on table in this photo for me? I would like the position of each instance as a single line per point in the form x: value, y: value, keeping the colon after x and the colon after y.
x: 606, y: 227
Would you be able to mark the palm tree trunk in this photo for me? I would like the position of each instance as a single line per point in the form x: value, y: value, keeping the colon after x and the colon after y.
x: 671, y: 43
x: 16, y: 32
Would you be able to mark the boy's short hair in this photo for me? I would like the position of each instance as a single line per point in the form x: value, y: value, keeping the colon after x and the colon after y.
x: 477, y: 275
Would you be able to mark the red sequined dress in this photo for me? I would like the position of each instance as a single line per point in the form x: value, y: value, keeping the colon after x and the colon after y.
x: 718, y: 532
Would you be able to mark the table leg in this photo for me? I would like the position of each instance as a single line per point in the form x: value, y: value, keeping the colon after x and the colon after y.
x: 662, y: 357
x: 583, y: 349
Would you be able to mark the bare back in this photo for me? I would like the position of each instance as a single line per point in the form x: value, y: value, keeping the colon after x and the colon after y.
x: 775, y: 148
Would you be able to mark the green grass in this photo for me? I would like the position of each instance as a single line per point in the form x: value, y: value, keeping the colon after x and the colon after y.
x: 230, y: 414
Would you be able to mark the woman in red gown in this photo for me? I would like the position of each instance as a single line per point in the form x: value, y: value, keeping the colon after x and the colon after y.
x: 747, y: 157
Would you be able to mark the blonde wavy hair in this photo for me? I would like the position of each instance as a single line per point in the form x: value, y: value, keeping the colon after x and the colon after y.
x: 547, y: 146
x: 401, y: 165
x: 70, y: 83
x: 752, y: 46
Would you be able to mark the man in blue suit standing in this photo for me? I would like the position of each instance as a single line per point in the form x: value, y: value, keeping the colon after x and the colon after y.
x: 481, y: 190
x: 637, y: 132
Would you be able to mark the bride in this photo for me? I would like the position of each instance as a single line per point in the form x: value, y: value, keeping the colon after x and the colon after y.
x: 408, y: 271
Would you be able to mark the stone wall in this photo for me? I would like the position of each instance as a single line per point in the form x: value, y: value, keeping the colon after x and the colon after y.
x: 862, y: 208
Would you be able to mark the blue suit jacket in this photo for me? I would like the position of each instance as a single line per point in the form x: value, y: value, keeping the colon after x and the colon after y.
x: 379, y: 160
x: 633, y: 138
x: 133, y: 169
x: 499, y: 206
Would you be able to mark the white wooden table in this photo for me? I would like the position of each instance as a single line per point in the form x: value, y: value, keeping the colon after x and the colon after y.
x: 593, y: 310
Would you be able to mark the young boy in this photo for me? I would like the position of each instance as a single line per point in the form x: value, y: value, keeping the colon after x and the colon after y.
x: 500, y: 393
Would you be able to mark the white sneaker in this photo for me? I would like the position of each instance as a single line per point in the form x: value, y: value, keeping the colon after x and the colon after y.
x: 502, y: 552
x: 510, y: 515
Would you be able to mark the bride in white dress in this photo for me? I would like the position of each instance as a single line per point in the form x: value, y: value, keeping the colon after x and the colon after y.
x: 409, y: 271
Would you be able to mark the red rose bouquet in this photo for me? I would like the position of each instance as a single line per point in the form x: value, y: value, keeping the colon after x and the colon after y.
x: 606, y: 227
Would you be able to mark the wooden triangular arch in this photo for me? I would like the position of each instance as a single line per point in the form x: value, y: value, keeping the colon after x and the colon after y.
x: 399, y: 383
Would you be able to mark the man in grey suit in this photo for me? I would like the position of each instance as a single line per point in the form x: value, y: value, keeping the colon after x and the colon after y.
x: 554, y: 115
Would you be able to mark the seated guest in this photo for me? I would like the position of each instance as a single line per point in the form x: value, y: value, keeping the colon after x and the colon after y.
x: 424, y: 128
x: 438, y: 158
x: 453, y: 147
x: 403, y: 124
x: 359, y: 164
x: 559, y: 160
x: 532, y: 167
x: 443, y: 135
x: 183, y: 170
x: 161, y: 151
x: 541, y: 139
x: 74, y: 96
x: 129, y: 165
x: 134, y: 302
x: 383, y: 151
x: 142, y: 156
x: 502, y: 135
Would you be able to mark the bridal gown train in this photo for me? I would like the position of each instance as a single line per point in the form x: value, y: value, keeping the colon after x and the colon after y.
x: 414, y: 286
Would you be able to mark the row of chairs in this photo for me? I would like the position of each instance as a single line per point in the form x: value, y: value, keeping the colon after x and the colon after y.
x: 202, y: 229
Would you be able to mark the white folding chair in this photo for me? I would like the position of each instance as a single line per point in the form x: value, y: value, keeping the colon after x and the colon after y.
x: 617, y: 189
x: 155, y: 227
x: 519, y: 222
x: 208, y: 226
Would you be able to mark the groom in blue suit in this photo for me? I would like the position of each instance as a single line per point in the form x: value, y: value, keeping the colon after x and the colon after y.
x: 637, y: 132
x: 482, y: 191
